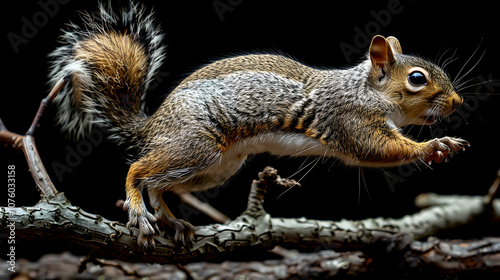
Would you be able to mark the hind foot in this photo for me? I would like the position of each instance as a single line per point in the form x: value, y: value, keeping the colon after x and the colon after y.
x: 140, y: 218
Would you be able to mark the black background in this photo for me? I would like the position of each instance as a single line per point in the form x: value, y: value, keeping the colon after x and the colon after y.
x: 310, y: 31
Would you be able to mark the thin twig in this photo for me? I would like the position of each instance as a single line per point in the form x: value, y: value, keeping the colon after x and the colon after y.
x: 38, y: 171
x: 269, y: 176
x: 492, y: 192
x: 27, y: 144
x: 185, y: 270
x: 204, y: 207
x: 10, y: 138
x: 44, y: 104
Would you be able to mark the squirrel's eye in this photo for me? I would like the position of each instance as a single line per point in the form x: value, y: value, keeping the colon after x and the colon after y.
x: 417, y: 78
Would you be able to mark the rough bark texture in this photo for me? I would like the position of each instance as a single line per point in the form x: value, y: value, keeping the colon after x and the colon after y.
x: 381, y: 240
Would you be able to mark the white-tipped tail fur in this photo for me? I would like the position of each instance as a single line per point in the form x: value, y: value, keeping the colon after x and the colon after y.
x: 109, y: 59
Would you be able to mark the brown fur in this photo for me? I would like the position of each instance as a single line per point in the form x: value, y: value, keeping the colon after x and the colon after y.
x: 118, y: 66
x: 280, y: 65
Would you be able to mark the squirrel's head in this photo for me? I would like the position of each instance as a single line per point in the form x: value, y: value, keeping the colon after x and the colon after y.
x: 422, y: 89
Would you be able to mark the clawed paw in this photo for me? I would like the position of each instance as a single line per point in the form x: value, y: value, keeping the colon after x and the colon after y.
x: 184, y: 231
x: 444, y: 147
x: 148, y: 228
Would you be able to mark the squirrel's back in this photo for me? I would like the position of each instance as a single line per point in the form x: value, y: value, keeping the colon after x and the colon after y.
x: 109, y: 61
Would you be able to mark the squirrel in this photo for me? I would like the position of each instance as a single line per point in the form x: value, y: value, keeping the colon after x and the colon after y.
x: 238, y: 106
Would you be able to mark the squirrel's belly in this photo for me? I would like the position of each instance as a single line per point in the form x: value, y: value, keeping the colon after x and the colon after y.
x: 231, y: 160
x: 280, y: 144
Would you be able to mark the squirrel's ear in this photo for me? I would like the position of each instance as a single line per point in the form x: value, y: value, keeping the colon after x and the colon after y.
x: 395, y: 45
x: 381, y: 52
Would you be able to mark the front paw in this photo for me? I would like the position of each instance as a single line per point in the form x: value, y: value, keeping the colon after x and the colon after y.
x: 146, y: 223
x: 441, y: 148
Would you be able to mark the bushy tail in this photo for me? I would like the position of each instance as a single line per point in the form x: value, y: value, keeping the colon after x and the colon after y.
x: 110, y: 60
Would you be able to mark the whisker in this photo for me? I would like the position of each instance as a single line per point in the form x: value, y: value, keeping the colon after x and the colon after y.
x: 448, y: 63
x: 422, y: 127
x: 441, y: 56
x: 463, y: 67
x: 286, y: 190
x: 361, y: 175
x: 474, y: 66
x: 433, y: 114
x: 298, y: 181
x: 359, y: 185
x: 458, y: 86
x: 481, y: 93
x: 425, y: 163
x: 366, y: 186
x: 430, y: 130
x: 305, y: 150
x: 411, y: 127
x: 302, y: 167
x: 480, y: 83
x: 450, y: 59
x: 316, y: 161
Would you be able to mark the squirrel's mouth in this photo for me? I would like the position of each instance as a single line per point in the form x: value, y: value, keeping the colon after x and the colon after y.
x: 432, y: 116
x: 428, y: 120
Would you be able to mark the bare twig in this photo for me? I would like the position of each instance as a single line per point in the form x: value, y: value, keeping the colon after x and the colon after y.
x: 492, y: 192
x: 203, y: 207
x: 259, y: 189
x: 27, y: 145
x: 185, y: 270
x: 43, y: 106
x: 37, y: 169
x: 10, y: 138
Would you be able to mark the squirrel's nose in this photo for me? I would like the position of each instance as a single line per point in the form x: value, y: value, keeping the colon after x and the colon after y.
x: 456, y: 101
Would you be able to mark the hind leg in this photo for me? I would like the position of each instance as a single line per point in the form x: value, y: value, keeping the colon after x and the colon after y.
x: 139, y: 217
x: 166, y: 168
x: 184, y: 231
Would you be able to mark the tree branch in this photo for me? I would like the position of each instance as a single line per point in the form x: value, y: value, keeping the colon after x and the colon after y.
x: 253, y: 230
x: 27, y: 144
